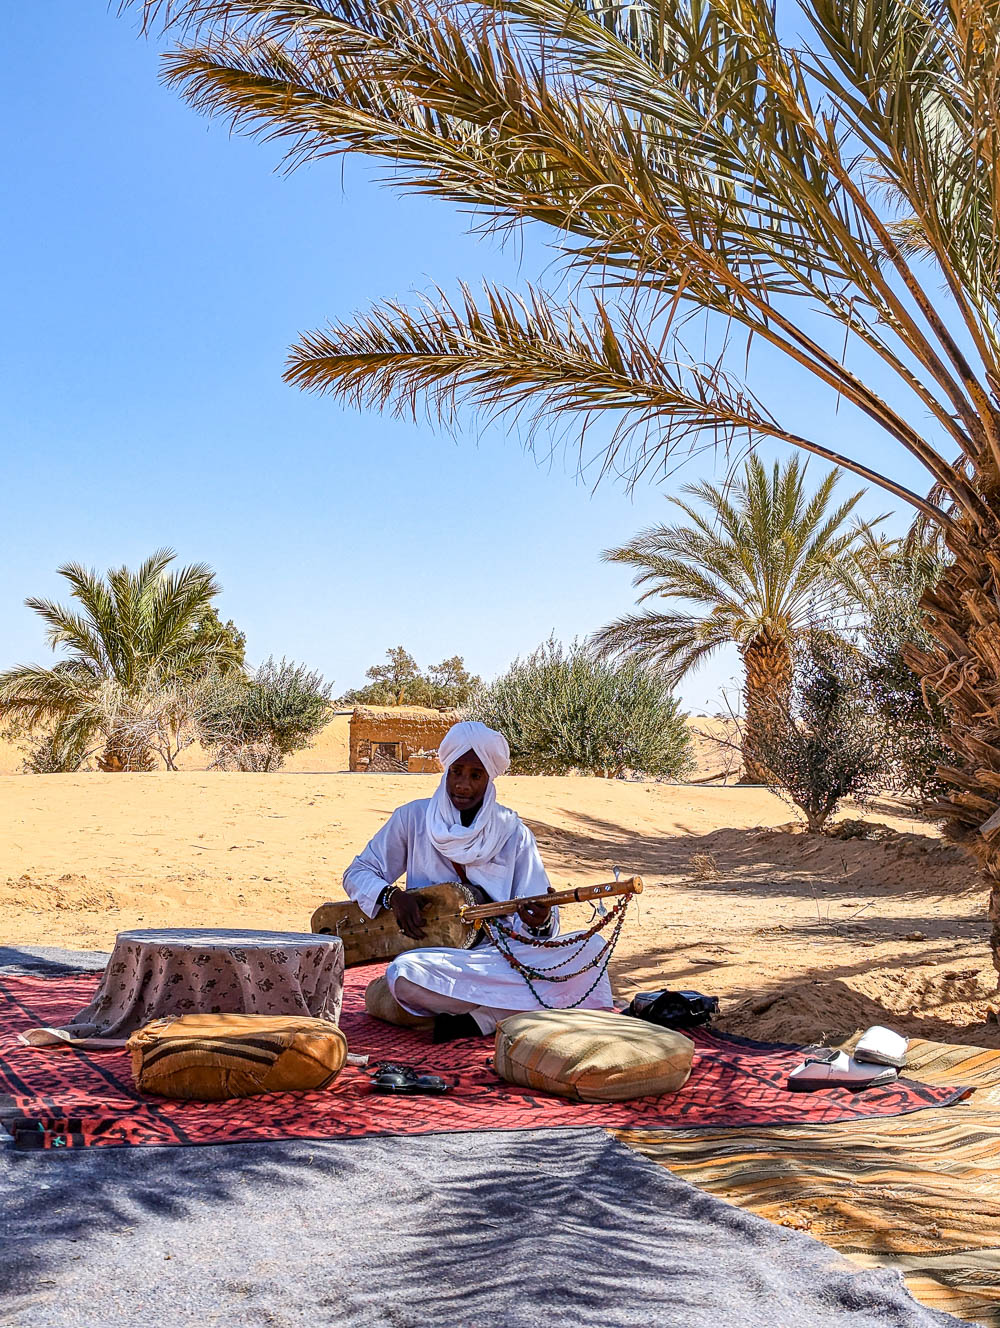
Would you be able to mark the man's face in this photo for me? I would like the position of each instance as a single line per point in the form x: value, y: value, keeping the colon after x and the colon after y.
x: 466, y: 782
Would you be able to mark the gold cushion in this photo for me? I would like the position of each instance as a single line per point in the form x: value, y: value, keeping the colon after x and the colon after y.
x: 591, y: 1055
x: 210, y: 1057
x: 381, y: 1004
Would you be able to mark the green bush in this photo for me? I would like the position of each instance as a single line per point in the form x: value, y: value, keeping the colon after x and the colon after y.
x: 53, y: 752
x: 913, y: 717
x: 830, y: 742
x: 563, y: 709
x: 253, y: 723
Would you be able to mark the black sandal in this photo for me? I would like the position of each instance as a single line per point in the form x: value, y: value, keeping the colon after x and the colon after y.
x: 393, y: 1077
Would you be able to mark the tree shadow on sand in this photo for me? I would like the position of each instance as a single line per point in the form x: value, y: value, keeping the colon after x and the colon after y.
x: 749, y: 860
x: 774, y: 865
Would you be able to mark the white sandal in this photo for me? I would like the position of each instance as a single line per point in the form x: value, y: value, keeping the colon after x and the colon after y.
x: 881, y: 1046
x: 835, y: 1069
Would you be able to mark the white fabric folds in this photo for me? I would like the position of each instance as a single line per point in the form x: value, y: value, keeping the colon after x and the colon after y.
x: 477, y: 845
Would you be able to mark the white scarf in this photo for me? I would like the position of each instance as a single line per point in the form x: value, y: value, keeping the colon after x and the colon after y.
x: 476, y: 845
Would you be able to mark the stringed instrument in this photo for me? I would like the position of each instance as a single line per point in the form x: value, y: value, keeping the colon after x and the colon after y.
x: 477, y: 914
x: 451, y: 914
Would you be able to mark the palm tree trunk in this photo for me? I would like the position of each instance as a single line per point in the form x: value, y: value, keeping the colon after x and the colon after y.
x: 963, y: 616
x: 767, y: 663
x: 119, y: 758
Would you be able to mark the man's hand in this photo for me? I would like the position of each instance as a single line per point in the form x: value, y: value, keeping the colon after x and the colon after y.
x: 536, y: 915
x: 408, y: 913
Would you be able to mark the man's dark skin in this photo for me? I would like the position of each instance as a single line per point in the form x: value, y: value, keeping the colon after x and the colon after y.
x: 466, y: 783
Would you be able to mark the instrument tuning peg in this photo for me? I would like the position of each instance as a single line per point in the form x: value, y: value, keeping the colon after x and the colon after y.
x: 617, y: 871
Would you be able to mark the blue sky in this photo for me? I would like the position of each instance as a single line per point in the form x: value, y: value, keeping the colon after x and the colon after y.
x: 155, y: 271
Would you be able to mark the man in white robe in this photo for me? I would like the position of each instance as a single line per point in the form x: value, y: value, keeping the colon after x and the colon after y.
x: 463, y: 833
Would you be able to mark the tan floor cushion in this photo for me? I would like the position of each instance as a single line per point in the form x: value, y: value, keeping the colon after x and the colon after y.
x: 210, y: 1057
x: 591, y: 1055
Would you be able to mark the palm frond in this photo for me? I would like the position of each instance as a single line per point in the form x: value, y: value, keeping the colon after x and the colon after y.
x: 680, y: 150
x: 777, y: 562
x: 672, y: 643
x: 521, y: 355
x: 691, y: 158
x: 919, y: 82
x: 34, y: 694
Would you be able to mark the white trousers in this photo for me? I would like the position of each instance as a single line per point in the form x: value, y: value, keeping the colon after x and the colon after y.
x: 419, y: 1000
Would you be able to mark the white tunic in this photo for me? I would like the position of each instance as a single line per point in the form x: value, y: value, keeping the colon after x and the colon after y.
x: 481, y: 975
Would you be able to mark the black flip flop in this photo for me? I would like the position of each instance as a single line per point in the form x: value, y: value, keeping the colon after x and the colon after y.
x: 392, y: 1077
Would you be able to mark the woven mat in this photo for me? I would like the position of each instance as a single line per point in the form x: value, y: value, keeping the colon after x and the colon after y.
x: 920, y: 1193
x: 78, y: 1099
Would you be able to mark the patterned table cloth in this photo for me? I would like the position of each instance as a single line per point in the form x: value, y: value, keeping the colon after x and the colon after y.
x: 174, y: 971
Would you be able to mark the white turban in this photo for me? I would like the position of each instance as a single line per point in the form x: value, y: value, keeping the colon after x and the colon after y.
x: 471, y: 736
x: 475, y: 846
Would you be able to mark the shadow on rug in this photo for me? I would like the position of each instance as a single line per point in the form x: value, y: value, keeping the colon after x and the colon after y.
x: 561, y: 1228
x: 920, y: 1194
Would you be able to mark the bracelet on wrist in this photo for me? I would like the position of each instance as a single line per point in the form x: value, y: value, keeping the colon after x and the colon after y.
x: 387, y: 894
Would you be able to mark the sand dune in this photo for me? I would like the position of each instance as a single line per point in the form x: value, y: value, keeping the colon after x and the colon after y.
x: 711, y: 748
x: 328, y: 752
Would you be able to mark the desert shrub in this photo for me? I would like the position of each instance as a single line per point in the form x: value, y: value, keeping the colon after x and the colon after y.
x: 562, y: 709
x: 51, y: 751
x: 253, y: 722
x: 400, y: 681
x: 829, y: 742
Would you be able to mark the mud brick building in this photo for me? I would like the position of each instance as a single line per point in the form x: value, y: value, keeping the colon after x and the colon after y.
x: 391, y: 735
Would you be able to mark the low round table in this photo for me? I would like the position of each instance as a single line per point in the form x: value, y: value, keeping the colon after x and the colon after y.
x: 175, y: 971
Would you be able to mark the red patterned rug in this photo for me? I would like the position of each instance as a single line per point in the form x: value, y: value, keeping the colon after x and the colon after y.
x: 77, y: 1099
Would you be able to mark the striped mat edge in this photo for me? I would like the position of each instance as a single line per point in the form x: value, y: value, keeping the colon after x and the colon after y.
x: 918, y: 1193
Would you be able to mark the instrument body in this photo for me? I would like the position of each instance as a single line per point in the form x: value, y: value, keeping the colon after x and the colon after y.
x: 368, y: 939
x: 451, y: 916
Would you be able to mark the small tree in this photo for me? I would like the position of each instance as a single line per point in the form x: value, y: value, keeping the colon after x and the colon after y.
x: 210, y: 628
x: 253, y: 723
x: 913, y: 718
x: 829, y: 742
x: 400, y: 681
x: 564, y: 709
x: 390, y: 683
x: 451, y: 685
x: 132, y: 639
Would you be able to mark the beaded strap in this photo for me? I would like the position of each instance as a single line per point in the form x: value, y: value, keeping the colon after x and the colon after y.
x: 501, y: 935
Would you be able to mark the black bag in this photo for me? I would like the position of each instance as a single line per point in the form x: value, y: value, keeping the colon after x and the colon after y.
x: 673, y: 1009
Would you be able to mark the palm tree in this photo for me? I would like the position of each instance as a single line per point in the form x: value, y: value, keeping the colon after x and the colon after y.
x: 760, y: 563
x: 132, y: 645
x: 835, y: 198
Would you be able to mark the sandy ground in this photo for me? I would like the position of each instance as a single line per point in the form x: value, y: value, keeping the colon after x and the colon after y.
x: 803, y: 937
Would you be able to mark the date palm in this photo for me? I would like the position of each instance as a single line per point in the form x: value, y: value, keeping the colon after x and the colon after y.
x: 760, y: 564
x: 130, y: 646
x: 834, y: 198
